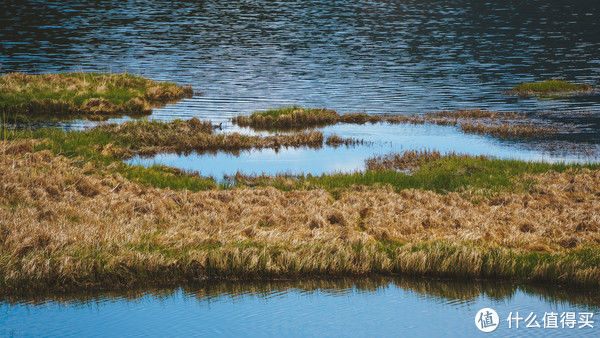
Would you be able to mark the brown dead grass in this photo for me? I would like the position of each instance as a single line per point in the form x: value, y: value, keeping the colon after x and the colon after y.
x: 61, y: 225
x: 336, y: 141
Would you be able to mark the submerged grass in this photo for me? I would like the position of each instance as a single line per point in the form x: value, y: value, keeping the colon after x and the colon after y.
x: 551, y: 87
x: 96, y: 96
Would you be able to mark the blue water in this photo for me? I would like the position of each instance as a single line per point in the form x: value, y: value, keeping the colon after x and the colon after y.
x: 423, y: 308
x: 380, y: 139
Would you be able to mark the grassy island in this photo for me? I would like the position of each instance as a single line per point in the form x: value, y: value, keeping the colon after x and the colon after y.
x: 93, y: 96
x: 74, y: 216
x: 288, y: 118
x: 503, y: 125
x: 550, y: 88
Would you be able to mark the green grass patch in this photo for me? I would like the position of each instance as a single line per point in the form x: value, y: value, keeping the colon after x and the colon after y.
x: 549, y: 88
x: 444, y: 175
x: 278, y: 112
x: 288, y: 118
x: 83, y: 95
x: 166, y: 177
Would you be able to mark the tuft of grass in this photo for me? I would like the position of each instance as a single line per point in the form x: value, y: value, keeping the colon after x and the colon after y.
x: 336, y: 141
x: 552, y: 87
x: 288, y: 118
x: 96, y: 96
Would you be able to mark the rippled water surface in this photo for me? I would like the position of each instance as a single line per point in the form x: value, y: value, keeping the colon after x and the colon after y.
x: 375, y: 56
x: 366, y: 307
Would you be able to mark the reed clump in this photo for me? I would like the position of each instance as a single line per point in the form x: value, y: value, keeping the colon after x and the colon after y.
x: 337, y: 141
x: 96, y: 96
x: 552, y: 87
x: 69, y: 224
x: 288, y: 118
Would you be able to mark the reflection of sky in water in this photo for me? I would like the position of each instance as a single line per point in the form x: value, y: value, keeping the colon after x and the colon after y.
x: 382, y: 139
x: 387, y: 311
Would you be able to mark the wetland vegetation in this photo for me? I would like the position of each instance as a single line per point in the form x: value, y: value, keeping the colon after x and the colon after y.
x: 550, y: 88
x: 95, y: 96
x: 75, y: 217
x: 503, y: 125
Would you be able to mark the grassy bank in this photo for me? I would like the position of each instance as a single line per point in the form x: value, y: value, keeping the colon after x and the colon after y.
x: 503, y: 125
x: 72, y: 218
x: 551, y: 87
x: 94, y: 96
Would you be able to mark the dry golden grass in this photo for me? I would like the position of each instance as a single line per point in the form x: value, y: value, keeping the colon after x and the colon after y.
x: 64, y: 224
x: 509, y: 130
x: 83, y: 95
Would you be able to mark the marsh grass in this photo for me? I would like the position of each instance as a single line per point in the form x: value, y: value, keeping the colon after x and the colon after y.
x: 337, y: 141
x: 121, y: 141
x: 288, y: 118
x: 70, y: 223
x: 504, y: 125
x: 426, y: 170
x: 96, y: 96
x: 551, y: 87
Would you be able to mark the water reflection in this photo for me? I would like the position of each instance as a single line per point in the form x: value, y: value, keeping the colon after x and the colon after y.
x: 381, y: 305
x: 381, y: 139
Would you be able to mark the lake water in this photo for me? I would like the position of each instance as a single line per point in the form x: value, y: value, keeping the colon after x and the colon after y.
x: 380, y: 139
x: 397, y: 57
x: 365, y: 307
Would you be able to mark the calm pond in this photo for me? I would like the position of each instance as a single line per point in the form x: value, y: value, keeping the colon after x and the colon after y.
x: 366, y: 307
x: 396, y: 57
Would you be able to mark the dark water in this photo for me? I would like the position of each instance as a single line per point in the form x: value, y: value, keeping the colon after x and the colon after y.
x: 375, y: 56
x: 366, y: 308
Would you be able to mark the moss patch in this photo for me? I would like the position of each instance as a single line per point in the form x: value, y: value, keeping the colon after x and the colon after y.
x: 551, y: 87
